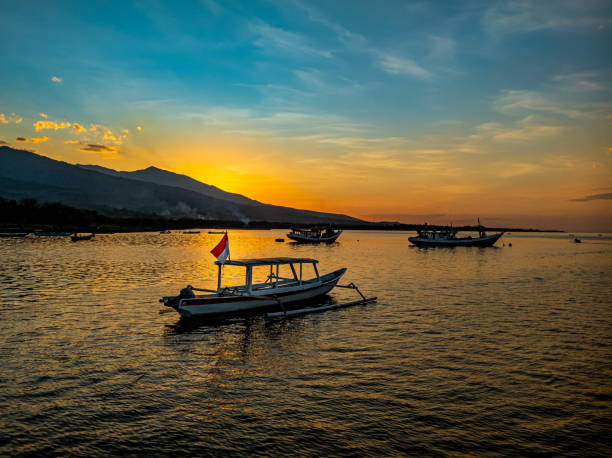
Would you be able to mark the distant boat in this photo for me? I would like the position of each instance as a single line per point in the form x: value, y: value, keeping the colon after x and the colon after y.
x: 577, y: 240
x: 448, y: 238
x: 314, y: 235
x: 76, y: 237
x: 192, y: 232
x: 14, y: 234
x: 52, y: 234
x: 279, y: 240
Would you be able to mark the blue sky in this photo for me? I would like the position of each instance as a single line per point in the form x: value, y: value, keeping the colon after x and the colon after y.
x: 468, y: 98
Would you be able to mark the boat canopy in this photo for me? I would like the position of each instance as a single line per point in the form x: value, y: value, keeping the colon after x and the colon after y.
x: 267, y: 261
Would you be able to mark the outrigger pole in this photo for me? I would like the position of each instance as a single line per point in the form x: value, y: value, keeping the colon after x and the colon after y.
x: 286, y: 313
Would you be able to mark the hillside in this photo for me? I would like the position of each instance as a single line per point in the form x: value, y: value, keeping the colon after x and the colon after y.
x: 152, y: 191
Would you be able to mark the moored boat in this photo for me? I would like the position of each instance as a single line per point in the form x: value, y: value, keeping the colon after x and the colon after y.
x: 76, y: 237
x: 314, y: 235
x: 275, y: 292
x: 14, y: 234
x: 448, y: 238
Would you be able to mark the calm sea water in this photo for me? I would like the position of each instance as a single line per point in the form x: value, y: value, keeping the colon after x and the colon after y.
x: 503, y: 350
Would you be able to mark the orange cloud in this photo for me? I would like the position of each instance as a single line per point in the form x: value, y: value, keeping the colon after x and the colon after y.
x: 95, y: 148
x: 78, y: 128
x: 117, y: 140
x: 71, y: 142
x: 55, y: 79
x: 139, y: 128
x: 33, y: 139
x: 5, y: 119
x: 39, y: 125
x: 42, y: 115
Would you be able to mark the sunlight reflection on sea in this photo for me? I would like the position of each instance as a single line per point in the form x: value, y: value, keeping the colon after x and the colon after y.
x: 468, y: 350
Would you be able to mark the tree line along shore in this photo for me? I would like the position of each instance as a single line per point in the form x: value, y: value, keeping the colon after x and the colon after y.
x: 29, y: 215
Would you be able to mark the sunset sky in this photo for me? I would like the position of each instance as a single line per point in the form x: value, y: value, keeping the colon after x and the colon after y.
x: 389, y: 110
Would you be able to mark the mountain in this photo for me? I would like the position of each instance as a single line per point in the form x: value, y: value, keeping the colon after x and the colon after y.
x: 166, y: 178
x: 28, y: 175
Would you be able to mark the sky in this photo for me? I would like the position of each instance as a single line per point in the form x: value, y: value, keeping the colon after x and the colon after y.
x: 440, y: 111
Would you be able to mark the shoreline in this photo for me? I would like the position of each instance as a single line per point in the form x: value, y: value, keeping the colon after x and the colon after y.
x: 130, y: 225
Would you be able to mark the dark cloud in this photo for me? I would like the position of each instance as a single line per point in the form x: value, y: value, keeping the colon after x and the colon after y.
x: 21, y: 139
x: 606, y: 196
x: 94, y: 148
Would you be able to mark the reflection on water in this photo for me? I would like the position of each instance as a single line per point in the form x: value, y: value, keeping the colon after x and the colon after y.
x: 468, y: 350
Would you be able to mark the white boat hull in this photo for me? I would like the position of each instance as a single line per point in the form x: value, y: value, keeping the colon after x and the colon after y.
x: 214, y: 304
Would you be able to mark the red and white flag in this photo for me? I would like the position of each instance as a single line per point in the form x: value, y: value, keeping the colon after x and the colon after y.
x: 221, y: 251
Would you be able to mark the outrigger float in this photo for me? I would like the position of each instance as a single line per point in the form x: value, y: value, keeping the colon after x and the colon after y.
x: 276, y: 292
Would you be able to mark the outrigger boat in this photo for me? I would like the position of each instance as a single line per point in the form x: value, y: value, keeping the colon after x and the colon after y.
x: 274, y: 293
x: 314, y: 235
x: 448, y: 238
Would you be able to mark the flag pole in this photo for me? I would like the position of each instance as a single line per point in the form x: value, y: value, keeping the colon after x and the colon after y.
x: 229, y: 254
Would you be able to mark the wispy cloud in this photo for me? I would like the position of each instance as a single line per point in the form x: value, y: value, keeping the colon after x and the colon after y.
x: 71, y: 142
x: 402, y: 66
x: 525, y: 129
x: 349, y: 38
x: 43, y: 115
x: 523, y: 16
x: 584, y: 81
x: 606, y: 196
x: 515, y: 169
x: 442, y: 47
x: 78, y: 128
x: 523, y: 101
x: 57, y: 79
x: 269, y: 37
x: 319, y: 82
x: 389, y: 62
x: 21, y: 139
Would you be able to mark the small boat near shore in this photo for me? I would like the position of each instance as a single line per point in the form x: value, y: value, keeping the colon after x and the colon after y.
x: 76, y: 237
x: 448, y: 238
x: 275, y: 292
x: 19, y: 235
x: 314, y: 235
